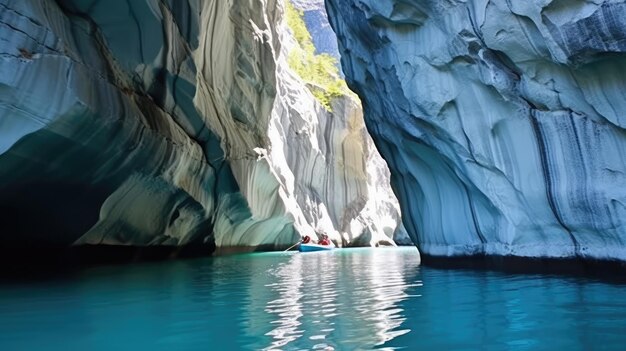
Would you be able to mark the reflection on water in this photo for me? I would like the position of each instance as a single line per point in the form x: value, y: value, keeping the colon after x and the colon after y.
x: 340, y: 300
x: 334, y: 300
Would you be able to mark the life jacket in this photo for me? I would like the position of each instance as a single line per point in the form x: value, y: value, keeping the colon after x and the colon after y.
x: 306, y: 239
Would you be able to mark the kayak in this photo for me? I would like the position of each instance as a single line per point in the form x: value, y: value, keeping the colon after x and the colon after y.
x: 314, y: 247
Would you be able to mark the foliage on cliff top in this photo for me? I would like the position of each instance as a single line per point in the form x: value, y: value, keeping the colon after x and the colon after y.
x: 318, y: 70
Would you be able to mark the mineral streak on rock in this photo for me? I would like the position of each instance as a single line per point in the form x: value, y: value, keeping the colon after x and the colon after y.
x: 174, y: 123
x: 502, y: 121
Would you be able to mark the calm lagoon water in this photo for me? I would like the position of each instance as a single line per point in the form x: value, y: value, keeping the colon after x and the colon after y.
x: 357, y: 299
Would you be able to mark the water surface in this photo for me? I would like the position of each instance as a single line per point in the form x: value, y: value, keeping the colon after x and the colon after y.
x: 356, y: 299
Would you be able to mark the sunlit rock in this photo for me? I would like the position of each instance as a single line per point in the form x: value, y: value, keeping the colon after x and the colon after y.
x: 502, y: 121
x: 173, y: 123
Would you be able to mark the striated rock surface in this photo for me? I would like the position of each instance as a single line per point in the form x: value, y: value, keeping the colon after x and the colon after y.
x: 174, y: 123
x: 502, y: 121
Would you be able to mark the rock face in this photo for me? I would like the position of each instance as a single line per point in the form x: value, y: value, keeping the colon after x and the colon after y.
x: 174, y: 123
x: 502, y: 121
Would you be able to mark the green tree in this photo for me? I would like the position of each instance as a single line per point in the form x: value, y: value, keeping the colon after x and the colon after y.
x: 320, y: 72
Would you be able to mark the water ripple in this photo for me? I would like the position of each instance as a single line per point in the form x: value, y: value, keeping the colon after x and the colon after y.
x: 342, y: 300
x: 352, y: 298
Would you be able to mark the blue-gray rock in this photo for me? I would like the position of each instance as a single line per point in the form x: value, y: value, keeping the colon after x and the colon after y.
x: 502, y: 121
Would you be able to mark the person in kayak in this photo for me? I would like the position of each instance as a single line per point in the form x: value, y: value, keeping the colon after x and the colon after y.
x: 325, y: 240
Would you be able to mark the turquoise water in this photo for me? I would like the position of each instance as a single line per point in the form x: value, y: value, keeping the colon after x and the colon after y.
x: 342, y: 300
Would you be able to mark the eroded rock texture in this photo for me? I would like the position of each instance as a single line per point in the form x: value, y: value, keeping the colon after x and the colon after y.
x: 171, y: 123
x: 502, y: 121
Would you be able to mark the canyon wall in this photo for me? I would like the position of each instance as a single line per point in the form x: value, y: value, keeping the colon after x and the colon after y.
x: 502, y: 121
x: 175, y: 123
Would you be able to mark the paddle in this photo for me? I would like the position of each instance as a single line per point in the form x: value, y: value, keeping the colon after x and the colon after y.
x: 294, y: 245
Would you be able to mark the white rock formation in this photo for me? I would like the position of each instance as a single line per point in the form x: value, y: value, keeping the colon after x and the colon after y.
x: 173, y: 123
x: 502, y: 121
